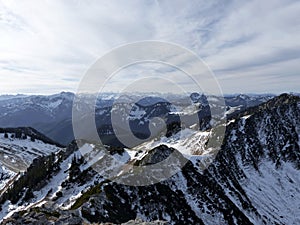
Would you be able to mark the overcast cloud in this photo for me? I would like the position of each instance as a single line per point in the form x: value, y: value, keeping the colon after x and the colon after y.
x: 251, y: 46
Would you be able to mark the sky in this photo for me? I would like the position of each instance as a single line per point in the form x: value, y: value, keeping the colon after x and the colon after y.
x: 250, y: 46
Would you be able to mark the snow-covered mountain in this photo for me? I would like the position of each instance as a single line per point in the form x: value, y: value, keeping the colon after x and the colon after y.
x: 19, y: 147
x: 254, y: 178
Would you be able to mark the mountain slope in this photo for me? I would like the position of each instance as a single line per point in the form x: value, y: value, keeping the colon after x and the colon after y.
x: 254, y: 178
x: 18, y: 149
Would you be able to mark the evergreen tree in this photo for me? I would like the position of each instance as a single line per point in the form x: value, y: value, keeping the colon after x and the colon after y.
x: 18, y: 134
x: 29, y: 195
x: 74, y: 169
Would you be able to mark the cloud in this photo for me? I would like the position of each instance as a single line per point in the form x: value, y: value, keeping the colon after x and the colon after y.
x: 47, y: 46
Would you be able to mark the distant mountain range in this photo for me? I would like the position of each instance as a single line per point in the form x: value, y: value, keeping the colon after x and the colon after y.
x: 52, y: 115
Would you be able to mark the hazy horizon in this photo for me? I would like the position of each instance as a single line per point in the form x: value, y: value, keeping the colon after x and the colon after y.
x: 154, y: 93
